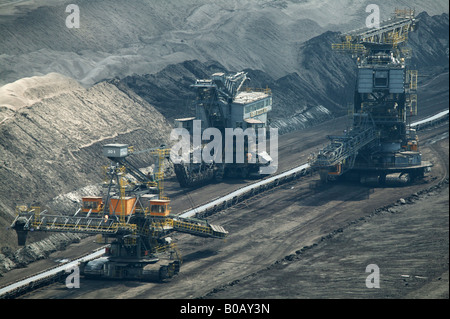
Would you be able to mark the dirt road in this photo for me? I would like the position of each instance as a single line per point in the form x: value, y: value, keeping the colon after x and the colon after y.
x: 407, y: 242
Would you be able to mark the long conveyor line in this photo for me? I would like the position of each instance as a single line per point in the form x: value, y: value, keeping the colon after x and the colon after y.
x: 27, y: 284
x: 46, y: 276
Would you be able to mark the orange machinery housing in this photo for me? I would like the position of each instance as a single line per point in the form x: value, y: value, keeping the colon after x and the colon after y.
x: 128, y: 203
x: 95, y: 204
x: 158, y: 207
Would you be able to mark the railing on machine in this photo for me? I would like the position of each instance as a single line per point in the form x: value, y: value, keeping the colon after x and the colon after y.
x: 342, y: 147
x: 80, y: 224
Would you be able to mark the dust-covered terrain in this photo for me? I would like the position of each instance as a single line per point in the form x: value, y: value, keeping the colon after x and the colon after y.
x: 297, y: 241
x: 125, y: 74
x: 119, y: 39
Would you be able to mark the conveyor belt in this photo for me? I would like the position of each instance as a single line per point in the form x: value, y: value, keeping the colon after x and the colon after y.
x: 9, y: 290
x: 15, y: 288
x: 242, y: 191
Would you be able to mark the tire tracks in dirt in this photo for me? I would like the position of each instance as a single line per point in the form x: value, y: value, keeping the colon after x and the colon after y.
x: 439, y: 184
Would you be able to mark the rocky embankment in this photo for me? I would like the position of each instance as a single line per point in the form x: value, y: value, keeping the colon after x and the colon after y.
x: 10, y: 259
x: 51, y: 137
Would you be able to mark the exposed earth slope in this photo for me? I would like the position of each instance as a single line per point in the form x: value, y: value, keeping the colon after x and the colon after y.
x: 51, y: 136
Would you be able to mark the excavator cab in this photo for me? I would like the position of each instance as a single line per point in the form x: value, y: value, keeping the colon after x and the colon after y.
x: 159, y: 207
x: 94, y: 204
